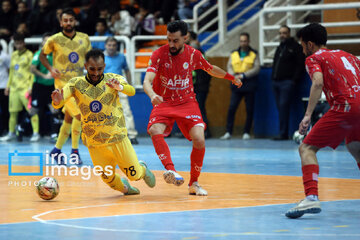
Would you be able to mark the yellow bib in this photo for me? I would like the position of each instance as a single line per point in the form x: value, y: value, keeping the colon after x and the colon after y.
x: 240, y: 66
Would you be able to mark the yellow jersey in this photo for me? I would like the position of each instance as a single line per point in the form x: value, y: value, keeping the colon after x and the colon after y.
x: 102, y: 118
x: 68, y: 55
x: 20, y: 76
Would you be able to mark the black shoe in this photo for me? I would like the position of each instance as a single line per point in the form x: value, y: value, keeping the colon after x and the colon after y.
x: 134, y: 141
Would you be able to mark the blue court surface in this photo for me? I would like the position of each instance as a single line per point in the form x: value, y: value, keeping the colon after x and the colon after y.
x: 339, y: 219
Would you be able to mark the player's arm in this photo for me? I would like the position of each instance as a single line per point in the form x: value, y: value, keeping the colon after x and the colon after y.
x: 121, y: 85
x: 315, y: 94
x: 219, y: 73
x: 55, y: 73
x: 36, y: 72
x: 59, y: 97
x: 148, y: 89
x: 11, y: 76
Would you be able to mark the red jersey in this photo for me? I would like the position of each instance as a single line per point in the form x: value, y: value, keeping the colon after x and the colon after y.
x: 173, y: 80
x: 341, y: 72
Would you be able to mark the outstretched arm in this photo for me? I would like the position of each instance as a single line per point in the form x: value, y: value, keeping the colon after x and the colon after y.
x: 219, y: 73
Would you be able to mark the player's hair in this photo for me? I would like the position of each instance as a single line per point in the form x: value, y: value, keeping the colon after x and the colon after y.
x: 245, y: 34
x: 313, y: 32
x: 47, y: 34
x: 68, y: 11
x: 287, y: 27
x: 178, y: 25
x: 19, y: 37
x: 94, y: 54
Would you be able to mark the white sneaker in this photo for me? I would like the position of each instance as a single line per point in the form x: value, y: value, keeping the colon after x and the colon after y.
x: 246, y: 136
x: 226, y: 136
x: 196, y: 189
x: 304, y: 206
x: 172, y: 177
x: 35, y: 137
x: 9, y: 137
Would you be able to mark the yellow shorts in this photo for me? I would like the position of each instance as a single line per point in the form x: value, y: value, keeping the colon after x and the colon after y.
x: 71, y: 107
x: 121, y: 154
x: 17, y: 101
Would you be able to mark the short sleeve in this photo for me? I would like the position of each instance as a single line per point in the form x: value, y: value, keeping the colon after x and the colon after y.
x: 49, y: 46
x: 88, y: 43
x: 312, y: 65
x: 201, y: 62
x: 154, y: 63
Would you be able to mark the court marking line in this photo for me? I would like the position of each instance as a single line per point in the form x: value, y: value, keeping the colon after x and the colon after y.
x: 51, y: 222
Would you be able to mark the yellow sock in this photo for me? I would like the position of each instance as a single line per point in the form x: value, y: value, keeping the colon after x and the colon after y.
x: 35, y: 123
x: 75, y: 133
x: 12, y: 121
x: 63, y: 135
x: 116, y: 183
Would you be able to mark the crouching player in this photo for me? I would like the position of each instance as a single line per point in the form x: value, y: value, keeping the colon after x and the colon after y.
x: 103, y: 124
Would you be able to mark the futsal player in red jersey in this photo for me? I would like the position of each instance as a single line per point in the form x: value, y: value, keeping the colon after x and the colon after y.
x: 337, y: 73
x: 168, y: 83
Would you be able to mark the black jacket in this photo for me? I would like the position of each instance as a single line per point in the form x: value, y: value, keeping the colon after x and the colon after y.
x: 289, y: 61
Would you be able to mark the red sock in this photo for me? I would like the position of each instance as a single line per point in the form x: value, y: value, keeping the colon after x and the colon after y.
x: 197, y: 157
x: 163, y: 151
x: 310, y: 179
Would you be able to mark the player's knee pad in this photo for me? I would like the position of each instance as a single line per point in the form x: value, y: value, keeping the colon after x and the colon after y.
x: 33, y: 111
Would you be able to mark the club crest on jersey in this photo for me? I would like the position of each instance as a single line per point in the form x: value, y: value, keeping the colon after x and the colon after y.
x: 167, y: 65
x: 73, y: 57
x: 95, y: 106
x: 186, y: 65
x: 16, y: 67
x: 80, y: 41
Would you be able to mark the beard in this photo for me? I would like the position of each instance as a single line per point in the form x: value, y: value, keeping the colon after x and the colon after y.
x: 174, y: 51
x: 68, y: 29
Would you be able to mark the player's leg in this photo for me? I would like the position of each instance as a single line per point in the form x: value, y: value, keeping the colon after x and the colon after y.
x: 128, y: 162
x: 105, y: 163
x: 63, y: 136
x: 197, y: 157
x: 234, y: 103
x: 75, y: 136
x: 354, y: 149
x: 15, y: 106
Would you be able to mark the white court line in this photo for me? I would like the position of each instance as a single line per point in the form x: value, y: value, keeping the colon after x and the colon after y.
x: 51, y: 222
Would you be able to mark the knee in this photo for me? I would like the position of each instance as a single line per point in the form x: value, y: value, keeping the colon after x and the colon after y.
x: 302, y: 149
x: 155, y: 130
x: 198, y: 142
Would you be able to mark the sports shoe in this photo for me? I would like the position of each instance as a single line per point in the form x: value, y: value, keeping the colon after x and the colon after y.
x: 76, y: 151
x: 226, y: 136
x: 246, y: 136
x: 9, y: 137
x: 196, y: 189
x: 304, y: 206
x: 129, y: 190
x: 35, y: 137
x: 149, y: 177
x: 172, y: 177
x: 54, y: 154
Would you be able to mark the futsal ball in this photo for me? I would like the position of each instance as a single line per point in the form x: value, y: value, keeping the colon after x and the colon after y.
x: 47, y: 188
x: 297, y: 137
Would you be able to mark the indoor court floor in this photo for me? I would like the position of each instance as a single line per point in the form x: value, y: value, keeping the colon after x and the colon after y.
x: 250, y: 184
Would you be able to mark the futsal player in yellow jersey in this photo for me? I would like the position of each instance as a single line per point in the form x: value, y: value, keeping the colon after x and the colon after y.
x: 19, y: 85
x: 103, y: 124
x: 69, y: 48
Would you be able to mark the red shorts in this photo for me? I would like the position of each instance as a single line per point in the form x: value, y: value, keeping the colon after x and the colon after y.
x: 186, y: 115
x: 334, y: 127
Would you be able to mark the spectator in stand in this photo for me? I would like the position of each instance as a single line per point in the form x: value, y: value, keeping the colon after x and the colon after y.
x: 23, y: 29
x: 144, y: 22
x: 22, y: 14
x: 41, y: 19
x: 6, y: 20
x: 288, y: 69
x: 101, y: 30
x: 243, y: 62
x: 121, y: 23
x: 116, y: 63
x: 4, y: 99
x: 19, y: 86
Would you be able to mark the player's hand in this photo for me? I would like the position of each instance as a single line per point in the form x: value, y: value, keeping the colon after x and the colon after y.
x: 156, y: 99
x: 55, y: 73
x: 304, y: 125
x: 57, y: 96
x: 237, y: 82
x: 7, y: 91
x: 115, y: 84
